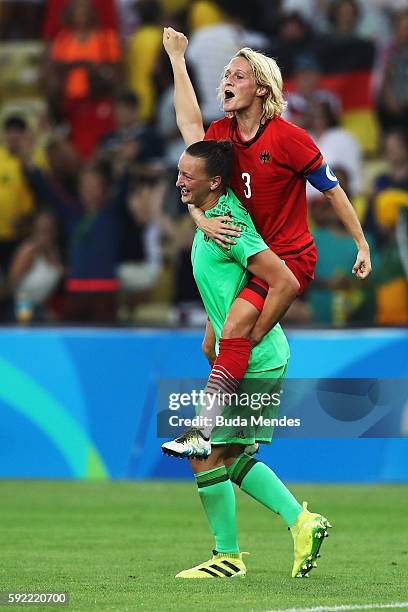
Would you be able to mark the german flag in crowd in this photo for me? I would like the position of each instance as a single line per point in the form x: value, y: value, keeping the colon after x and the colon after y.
x: 346, y: 70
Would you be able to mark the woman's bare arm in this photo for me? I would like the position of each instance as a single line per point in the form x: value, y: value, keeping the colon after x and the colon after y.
x: 188, y: 114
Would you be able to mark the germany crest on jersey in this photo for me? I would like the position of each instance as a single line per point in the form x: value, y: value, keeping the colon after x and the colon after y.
x: 265, y: 157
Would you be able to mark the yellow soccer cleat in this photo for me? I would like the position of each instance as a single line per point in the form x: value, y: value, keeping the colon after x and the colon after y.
x: 308, y: 533
x: 222, y: 565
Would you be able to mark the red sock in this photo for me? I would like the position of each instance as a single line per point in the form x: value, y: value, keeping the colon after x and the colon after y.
x: 230, y: 365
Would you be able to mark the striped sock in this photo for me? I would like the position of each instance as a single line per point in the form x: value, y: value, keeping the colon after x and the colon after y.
x: 218, y: 499
x: 230, y: 365
x: 226, y: 374
x: 261, y: 483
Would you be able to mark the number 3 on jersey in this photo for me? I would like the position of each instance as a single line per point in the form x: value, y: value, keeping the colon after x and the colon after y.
x: 247, y: 180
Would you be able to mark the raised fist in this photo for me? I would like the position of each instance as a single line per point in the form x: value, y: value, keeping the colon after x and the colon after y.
x: 174, y: 42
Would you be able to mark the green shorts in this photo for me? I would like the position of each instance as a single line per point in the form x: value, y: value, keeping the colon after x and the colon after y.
x: 249, y: 418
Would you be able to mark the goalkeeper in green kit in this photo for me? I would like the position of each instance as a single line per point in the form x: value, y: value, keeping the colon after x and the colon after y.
x: 220, y: 453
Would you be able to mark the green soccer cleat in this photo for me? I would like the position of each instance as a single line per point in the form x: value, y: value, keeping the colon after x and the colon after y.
x: 308, y: 533
x: 222, y: 565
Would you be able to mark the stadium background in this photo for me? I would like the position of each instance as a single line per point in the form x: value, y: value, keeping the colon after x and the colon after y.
x: 81, y: 352
x: 120, y: 125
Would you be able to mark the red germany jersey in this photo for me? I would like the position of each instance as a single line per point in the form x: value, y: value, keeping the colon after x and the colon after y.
x: 268, y: 177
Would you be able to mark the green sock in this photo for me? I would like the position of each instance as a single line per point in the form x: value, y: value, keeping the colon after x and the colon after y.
x: 218, y: 498
x: 261, y: 483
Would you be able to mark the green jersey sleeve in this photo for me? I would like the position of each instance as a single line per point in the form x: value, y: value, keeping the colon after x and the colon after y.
x: 249, y: 243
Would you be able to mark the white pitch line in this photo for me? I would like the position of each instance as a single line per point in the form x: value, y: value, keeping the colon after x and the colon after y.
x: 392, y: 606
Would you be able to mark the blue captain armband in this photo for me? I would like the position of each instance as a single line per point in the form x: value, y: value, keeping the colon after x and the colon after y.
x: 322, y: 178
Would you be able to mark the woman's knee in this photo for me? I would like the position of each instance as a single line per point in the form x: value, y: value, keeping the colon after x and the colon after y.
x: 240, y: 320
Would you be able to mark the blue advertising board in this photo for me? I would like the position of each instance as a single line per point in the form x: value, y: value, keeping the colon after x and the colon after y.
x: 81, y: 403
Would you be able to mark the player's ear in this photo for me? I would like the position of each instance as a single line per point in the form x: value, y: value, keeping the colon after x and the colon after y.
x: 215, y: 183
x: 261, y: 91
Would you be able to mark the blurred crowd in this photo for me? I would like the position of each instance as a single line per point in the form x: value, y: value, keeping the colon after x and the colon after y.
x: 92, y: 229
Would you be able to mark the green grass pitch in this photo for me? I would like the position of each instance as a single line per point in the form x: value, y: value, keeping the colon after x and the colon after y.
x: 118, y: 545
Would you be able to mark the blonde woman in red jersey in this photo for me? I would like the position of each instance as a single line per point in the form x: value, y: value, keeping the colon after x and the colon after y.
x: 273, y: 158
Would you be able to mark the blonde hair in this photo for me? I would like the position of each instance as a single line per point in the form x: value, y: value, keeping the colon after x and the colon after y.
x: 268, y: 75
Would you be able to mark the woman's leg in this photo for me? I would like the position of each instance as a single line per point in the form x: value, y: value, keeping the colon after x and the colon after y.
x: 240, y: 319
x: 208, y: 345
x: 218, y: 499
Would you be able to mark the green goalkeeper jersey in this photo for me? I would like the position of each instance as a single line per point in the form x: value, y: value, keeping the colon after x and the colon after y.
x: 221, y: 274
